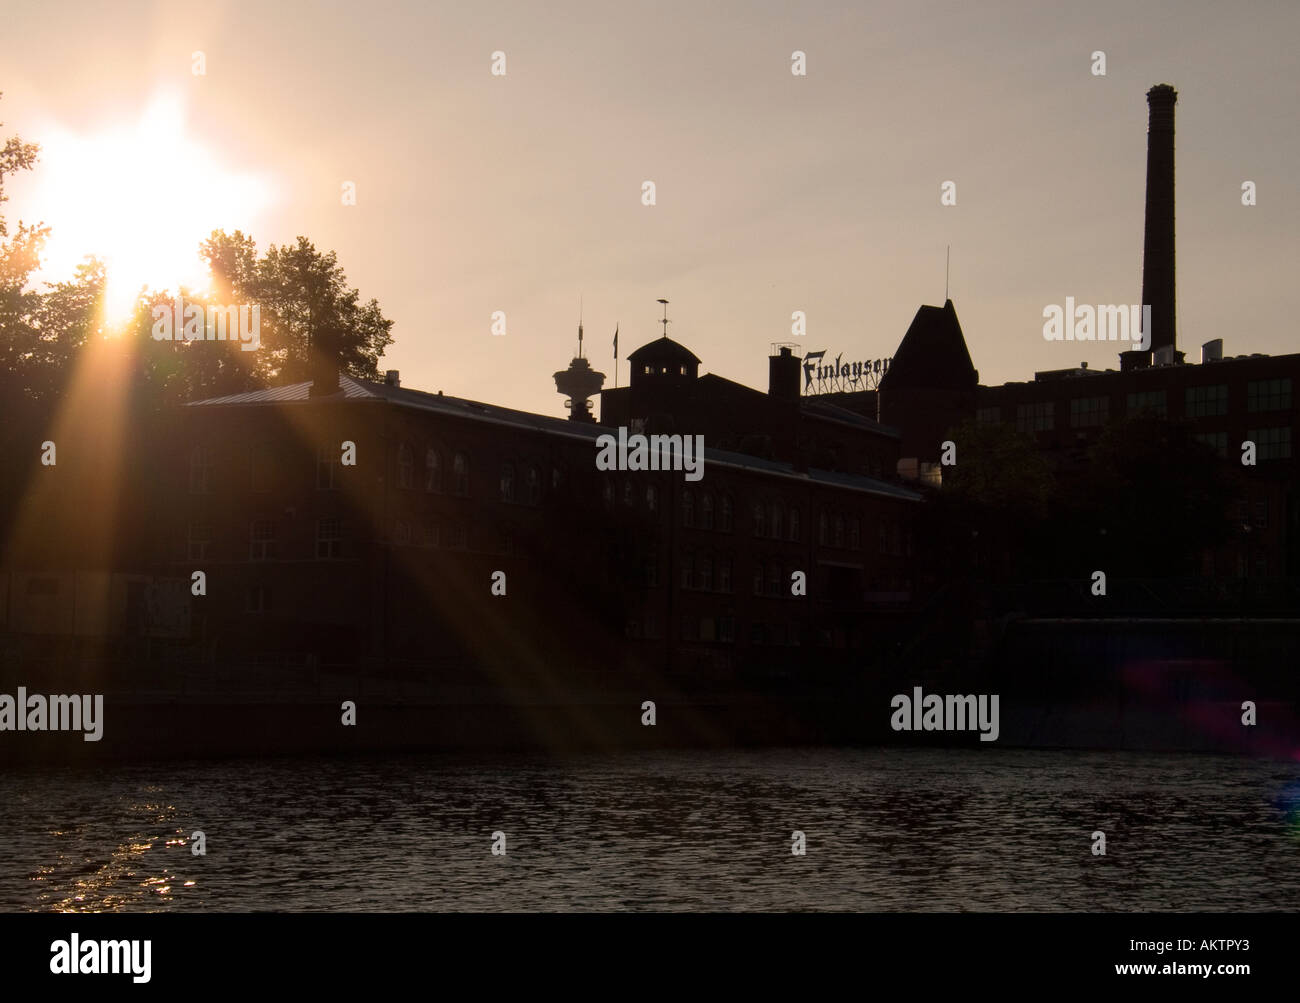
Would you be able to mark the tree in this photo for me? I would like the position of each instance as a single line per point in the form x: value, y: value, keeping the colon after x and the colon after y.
x: 1161, y: 498
x: 306, y: 307
x: 19, y: 303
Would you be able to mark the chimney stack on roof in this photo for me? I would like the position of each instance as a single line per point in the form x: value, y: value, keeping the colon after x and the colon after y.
x: 1158, y: 244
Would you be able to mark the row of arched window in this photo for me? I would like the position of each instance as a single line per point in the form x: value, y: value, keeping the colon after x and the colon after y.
x: 711, y: 514
x: 432, y: 475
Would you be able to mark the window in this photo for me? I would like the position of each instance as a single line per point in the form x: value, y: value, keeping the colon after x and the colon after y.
x: 724, y: 514
x: 1271, y: 443
x: 326, y: 462
x: 1148, y: 400
x: 1202, y: 402
x: 432, y: 535
x: 257, y: 599
x: 651, y: 497
x: 760, y: 520
x: 507, y: 482
x: 534, y: 486
x: 777, y: 514
x: 688, y: 509
x: 724, y: 574
x: 650, y: 570
x: 459, y: 538
x: 823, y: 528
x: 758, y: 579
x: 432, y: 470
x: 261, y: 545
x: 706, y: 573
x: 1218, y: 441
x: 402, y: 533
x: 988, y: 415
x: 200, y: 468
x: 688, y: 571
x: 1261, y: 514
x: 200, y: 539
x: 607, y: 493
x: 794, y: 525
x: 460, y: 474
x: 839, y: 531
x: 329, y: 539
x: 629, y: 493
x: 1268, y: 395
x: 1089, y: 412
x: 726, y: 629
x: 706, y: 511
x: 261, y: 469
x: 405, y: 466
x: 855, y: 534
x: 1039, y: 416
x: 773, y: 579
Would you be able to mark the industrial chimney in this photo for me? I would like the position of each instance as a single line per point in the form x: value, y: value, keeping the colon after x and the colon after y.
x: 783, y: 374
x: 1158, y: 245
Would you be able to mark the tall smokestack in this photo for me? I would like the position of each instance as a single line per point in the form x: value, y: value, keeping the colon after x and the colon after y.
x: 1158, y: 245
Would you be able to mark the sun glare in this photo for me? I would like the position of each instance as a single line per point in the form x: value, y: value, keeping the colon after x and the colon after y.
x: 141, y: 198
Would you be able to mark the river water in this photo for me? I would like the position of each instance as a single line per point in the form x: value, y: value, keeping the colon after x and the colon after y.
x: 885, y: 829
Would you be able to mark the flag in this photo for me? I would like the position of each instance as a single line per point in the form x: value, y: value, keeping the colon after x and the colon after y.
x: 616, y: 341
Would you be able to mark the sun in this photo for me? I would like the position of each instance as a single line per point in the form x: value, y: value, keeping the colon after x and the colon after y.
x: 141, y: 198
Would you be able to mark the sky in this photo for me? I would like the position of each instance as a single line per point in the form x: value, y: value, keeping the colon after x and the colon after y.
x: 775, y: 193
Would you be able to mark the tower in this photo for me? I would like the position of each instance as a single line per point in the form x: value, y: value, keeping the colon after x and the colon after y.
x: 579, y: 383
x: 1158, y: 240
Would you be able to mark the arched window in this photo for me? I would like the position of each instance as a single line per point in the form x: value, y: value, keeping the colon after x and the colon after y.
x: 432, y: 470
x: 460, y: 474
x: 724, y: 514
x: 794, y: 525
x: 534, y: 486
x: 651, y: 497
x: 839, y: 531
x: 760, y: 520
x: 777, y: 513
x: 855, y: 534
x: 688, y: 509
x: 706, y: 511
x: 507, y: 482
x: 405, y: 466
x: 200, y: 465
